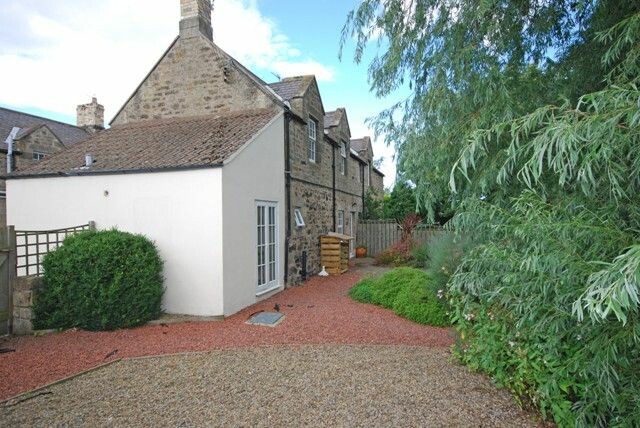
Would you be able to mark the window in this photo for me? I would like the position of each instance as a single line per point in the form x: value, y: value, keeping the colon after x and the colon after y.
x: 340, y: 222
x: 343, y: 155
x: 3, y: 194
x: 312, y: 125
x: 38, y: 156
x: 366, y: 175
x: 359, y: 174
x: 298, y: 216
x: 267, y: 246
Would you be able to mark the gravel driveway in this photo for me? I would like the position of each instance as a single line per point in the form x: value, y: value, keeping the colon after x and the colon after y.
x: 318, y: 312
x: 313, y: 385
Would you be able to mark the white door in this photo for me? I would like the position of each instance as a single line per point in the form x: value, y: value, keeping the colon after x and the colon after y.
x: 267, y: 253
x: 352, y: 233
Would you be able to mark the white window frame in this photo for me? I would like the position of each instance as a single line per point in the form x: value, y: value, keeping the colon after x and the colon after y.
x: 297, y: 215
x: 343, y: 154
x: 271, y: 281
x: 3, y: 194
x: 312, y: 126
x: 38, y: 156
x: 367, y: 175
x: 340, y: 222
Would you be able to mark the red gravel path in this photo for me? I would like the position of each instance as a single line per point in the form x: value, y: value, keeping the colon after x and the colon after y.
x: 319, y: 312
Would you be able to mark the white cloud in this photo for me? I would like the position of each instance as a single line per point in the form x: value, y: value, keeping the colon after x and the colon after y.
x: 55, y: 55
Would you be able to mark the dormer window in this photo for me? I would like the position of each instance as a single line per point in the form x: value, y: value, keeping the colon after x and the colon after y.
x: 343, y: 158
x: 312, y: 126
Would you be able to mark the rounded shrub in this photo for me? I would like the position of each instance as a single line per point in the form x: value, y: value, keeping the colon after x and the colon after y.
x: 100, y: 280
x: 410, y: 292
x: 418, y: 301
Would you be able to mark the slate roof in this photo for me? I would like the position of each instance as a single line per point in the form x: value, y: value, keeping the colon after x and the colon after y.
x: 331, y: 119
x: 291, y: 87
x: 174, y: 143
x: 360, y: 144
x: 67, y: 134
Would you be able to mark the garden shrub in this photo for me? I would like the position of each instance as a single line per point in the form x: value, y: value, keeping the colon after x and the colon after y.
x: 444, y: 254
x: 420, y: 256
x: 409, y: 292
x: 399, y: 254
x: 100, y: 280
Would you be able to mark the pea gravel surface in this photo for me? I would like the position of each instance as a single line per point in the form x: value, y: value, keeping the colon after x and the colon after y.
x: 309, y: 385
x: 317, y: 312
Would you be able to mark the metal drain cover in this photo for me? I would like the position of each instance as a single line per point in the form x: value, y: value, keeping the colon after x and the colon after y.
x: 267, y: 319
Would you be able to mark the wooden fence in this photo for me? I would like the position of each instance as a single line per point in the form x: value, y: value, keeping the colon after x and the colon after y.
x: 378, y: 235
x: 7, y: 275
x: 32, y: 245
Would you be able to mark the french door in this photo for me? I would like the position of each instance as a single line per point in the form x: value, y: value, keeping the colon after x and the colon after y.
x: 267, y: 245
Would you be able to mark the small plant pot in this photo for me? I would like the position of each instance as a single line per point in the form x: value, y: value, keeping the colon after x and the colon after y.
x: 361, y: 252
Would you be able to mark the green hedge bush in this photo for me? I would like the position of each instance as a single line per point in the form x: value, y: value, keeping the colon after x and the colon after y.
x: 100, y: 280
x: 409, y: 292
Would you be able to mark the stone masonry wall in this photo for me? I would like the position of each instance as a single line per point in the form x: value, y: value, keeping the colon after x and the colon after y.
x: 24, y: 292
x: 42, y: 140
x: 315, y: 204
x: 311, y: 186
x: 170, y: 89
x: 377, y: 184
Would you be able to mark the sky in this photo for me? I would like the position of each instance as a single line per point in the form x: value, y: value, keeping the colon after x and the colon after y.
x: 57, y: 54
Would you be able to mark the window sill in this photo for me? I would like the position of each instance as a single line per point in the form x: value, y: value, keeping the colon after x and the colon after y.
x: 268, y: 290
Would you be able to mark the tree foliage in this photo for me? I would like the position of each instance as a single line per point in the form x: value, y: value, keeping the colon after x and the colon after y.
x: 515, y: 122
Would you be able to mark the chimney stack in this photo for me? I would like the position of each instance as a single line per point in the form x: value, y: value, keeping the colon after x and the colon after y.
x: 195, y: 18
x: 91, y: 116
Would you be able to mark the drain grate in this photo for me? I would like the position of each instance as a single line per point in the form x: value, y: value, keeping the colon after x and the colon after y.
x: 267, y: 319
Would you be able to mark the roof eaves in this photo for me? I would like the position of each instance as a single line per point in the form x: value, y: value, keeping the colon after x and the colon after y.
x: 77, y: 173
x: 378, y: 171
x: 331, y: 140
x: 29, y: 131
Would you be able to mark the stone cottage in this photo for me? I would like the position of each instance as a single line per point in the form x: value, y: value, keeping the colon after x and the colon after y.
x: 27, y: 139
x: 234, y: 179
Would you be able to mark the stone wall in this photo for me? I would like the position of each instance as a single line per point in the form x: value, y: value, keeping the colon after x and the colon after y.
x: 24, y: 292
x: 90, y: 116
x: 41, y: 140
x: 193, y: 62
x: 315, y: 203
x: 377, y: 184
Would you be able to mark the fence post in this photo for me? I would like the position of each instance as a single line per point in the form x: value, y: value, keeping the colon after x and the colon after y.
x: 92, y: 225
x: 12, y: 269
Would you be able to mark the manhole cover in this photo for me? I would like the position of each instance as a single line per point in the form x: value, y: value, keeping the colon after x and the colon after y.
x: 268, y: 319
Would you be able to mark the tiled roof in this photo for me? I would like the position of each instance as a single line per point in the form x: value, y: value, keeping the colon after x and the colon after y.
x: 291, y: 87
x: 331, y: 119
x: 158, y: 144
x: 360, y: 144
x: 68, y: 134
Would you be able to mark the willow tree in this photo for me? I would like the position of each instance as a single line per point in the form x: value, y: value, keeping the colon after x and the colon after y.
x: 526, y: 116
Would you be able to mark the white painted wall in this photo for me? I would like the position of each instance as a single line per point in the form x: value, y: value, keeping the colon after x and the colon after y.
x: 180, y: 211
x: 255, y: 173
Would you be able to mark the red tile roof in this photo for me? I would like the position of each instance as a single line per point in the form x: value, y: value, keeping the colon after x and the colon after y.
x: 192, y: 142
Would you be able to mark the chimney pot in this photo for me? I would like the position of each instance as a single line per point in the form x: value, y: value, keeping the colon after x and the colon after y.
x: 195, y: 18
